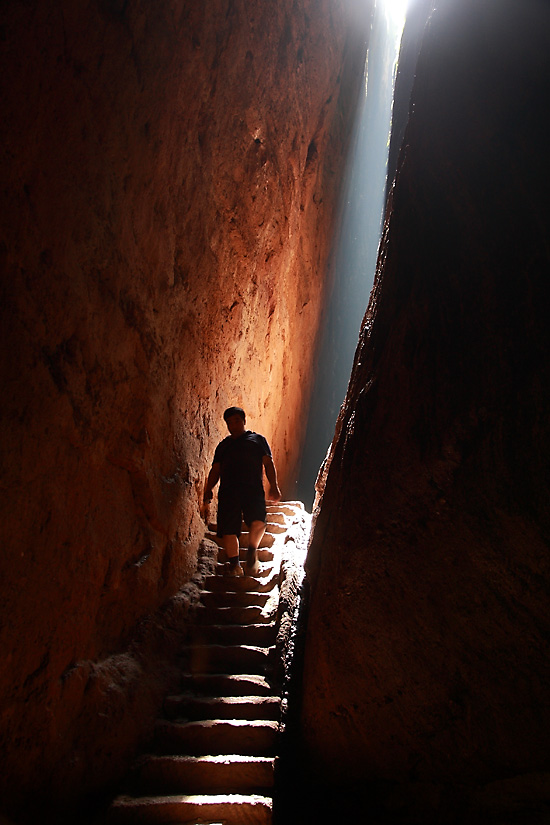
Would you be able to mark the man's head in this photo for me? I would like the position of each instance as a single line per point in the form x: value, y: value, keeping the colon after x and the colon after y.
x: 235, y: 419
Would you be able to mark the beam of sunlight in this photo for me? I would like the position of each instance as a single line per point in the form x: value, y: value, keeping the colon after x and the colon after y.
x: 355, y: 249
x: 396, y: 11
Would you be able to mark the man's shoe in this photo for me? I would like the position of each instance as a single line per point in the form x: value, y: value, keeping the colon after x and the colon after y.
x: 252, y: 564
x: 234, y: 570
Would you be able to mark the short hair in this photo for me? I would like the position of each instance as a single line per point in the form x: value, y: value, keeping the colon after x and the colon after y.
x: 234, y: 411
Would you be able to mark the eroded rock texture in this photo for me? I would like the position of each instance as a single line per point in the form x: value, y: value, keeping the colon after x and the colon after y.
x: 427, y: 655
x: 169, y: 176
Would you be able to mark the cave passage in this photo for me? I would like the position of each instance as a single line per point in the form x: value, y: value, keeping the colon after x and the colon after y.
x: 355, y: 248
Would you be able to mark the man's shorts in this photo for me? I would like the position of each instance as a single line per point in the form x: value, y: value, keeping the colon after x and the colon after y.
x: 236, y: 505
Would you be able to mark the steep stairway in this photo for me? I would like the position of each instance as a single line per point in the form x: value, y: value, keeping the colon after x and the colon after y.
x: 213, y: 756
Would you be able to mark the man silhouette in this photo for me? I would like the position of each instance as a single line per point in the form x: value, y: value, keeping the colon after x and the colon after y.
x: 239, y: 461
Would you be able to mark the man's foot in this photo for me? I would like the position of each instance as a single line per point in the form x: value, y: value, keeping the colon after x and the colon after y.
x: 252, y: 563
x: 234, y: 569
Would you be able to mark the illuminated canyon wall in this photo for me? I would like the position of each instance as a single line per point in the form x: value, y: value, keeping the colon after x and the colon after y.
x: 169, y: 179
x: 427, y: 663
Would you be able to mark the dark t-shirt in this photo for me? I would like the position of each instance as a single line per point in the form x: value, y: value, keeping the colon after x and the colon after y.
x: 240, y: 460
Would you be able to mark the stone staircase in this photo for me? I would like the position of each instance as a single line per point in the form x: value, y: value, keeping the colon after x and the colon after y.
x: 213, y: 755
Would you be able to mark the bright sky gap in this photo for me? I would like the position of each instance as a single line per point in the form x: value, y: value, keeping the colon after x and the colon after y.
x: 355, y: 250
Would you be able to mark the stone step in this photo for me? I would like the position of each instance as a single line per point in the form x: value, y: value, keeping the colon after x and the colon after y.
x: 264, y: 556
x: 267, y: 540
x: 228, y: 658
x: 266, y: 569
x: 228, y: 773
x: 235, y: 615
x: 216, y: 736
x: 226, y: 684
x: 273, y: 525
x: 289, y: 508
x: 257, y: 635
x: 266, y: 580
x: 222, y: 707
x: 277, y: 518
x: 242, y: 598
x: 229, y: 809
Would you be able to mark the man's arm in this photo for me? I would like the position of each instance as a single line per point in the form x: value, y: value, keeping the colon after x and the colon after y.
x: 211, y: 481
x: 271, y: 473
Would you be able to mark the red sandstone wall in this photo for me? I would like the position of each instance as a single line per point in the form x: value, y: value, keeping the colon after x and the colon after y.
x: 169, y: 173
x: 427, y: 661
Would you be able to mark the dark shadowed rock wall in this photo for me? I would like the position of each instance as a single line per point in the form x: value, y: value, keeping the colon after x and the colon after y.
x: 413, y: 33
x: 169, y: 172
x: 427, y: 660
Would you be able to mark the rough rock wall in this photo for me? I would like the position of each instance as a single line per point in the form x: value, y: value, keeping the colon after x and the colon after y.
x: 169, y: 172
x: 413, y: 33
x: 427, y: 659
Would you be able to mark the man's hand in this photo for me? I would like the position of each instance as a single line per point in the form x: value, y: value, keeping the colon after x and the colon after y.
x: 211, y: 481
x: 271, y: 473
x: 205, y: 506
x: 274, y: 494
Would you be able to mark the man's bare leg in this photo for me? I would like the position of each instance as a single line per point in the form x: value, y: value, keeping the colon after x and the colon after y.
x: 255, y: 535
x: 231, y: 547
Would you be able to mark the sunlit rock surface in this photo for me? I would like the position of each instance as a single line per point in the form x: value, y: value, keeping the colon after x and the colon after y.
x: 427, y: 659
x: 169, y: 175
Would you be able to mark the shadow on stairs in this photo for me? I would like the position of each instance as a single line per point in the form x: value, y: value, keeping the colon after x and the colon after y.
x: 213, y: 756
